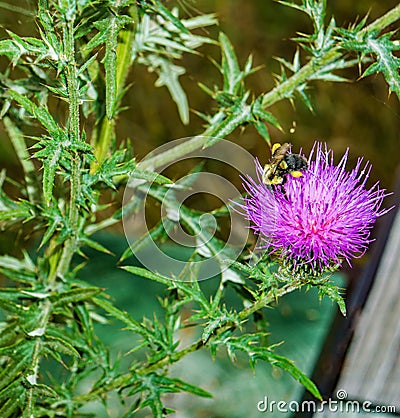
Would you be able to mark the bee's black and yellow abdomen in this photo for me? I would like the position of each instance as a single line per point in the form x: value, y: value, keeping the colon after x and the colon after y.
x: 295, y: 162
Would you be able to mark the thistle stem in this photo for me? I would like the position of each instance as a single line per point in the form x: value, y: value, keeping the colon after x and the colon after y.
x: 175, y: 357
x: 383, y: 22
x: 278, y: 93
x: 74, y: 136
x: 60, y: 269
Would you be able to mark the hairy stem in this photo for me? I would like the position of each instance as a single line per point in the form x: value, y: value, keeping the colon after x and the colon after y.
x: 383, y: 22
x: 74, y: 134
x: 284, y: 89
x: 60, y: 264
x: 278, y: 93
x: 122, y: 380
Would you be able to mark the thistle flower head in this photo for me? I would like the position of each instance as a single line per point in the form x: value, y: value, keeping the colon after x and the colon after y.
x: 319, y: 219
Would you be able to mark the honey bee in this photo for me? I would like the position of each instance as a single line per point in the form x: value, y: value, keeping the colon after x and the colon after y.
x: 283, y: 163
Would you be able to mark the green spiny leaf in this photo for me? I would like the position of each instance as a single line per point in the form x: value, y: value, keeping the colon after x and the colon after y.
x: 193, y: 291
x: 20, y: 360
x: 39, y: 113
x: 166, y: 14
x: 9, y: 294
x: 53, y: 151
x: 16, y: 264
x: 45, y: 390
x: 240, y: 115
x: 158, y: 232
x: 230, y: 66
x: 263, y: 115
x: 333, y: 293
x: 301, y: 91
x: 187, y: 387
x: 387, y: 63
x: 150, y: 176
x: 94, y: 244
x: 296, y: 373
x: 49, y: 173
x: 61, y: 346
x: 12, y: 404
x: 13, y: 390
x: 114, y: 26
x: 122, y: 316
x: 168, y: 75
x: 10, y: 50
x: 263, y: 131
x: 54, y: 223
x: 75, y: 295
x: 139, y: 271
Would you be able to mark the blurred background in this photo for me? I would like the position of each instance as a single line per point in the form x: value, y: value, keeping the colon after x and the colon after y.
x: 359, y: 114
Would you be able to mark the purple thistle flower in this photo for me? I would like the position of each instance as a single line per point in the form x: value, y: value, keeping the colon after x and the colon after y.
x: 319, y: 219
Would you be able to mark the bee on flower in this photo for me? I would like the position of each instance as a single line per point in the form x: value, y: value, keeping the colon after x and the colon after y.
x: 320, y: 218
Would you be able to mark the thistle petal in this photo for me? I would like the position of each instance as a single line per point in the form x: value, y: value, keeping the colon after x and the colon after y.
x: 321, y: 218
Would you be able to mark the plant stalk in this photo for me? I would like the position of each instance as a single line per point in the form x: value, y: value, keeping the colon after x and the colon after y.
x: 278, y: 93
x: 122, y: 380
x: 60, y: 269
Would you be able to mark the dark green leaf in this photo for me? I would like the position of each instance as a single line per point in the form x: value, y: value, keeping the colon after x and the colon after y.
x: 263, y: 131
x: 20, y: 361
x: 10, y: 50
x: 150, y: 176
x: 187, y: 387
x: 10, y: 294
x: 263, y: 115
x: 164, y: 12
x: 139, y: 271
x: 238, y: 117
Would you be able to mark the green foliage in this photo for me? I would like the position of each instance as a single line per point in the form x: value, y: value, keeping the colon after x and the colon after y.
x: 250, y: 345
x: 381, y: 47
x: 81, y: 55
x: 160, y: 41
